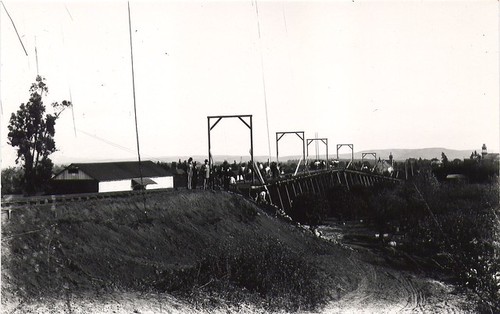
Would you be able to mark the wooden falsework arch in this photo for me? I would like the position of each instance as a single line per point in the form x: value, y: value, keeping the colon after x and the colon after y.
x: 325, y: 141
x: 241, y: 118
x: 300, y: 134
x: 363, y: 155
x: 351, y: 146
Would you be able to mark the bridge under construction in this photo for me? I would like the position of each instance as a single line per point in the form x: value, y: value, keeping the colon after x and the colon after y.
x: 283, y: 191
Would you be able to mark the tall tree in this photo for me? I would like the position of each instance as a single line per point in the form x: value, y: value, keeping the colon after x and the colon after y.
x: 32, y: 131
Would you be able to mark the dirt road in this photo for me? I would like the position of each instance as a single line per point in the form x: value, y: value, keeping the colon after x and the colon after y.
x: 384, y: 289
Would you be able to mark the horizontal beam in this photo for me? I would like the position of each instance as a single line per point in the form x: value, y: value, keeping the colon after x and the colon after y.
x: 310, y: 140
x: 231, y: 116
x: 290, y: 132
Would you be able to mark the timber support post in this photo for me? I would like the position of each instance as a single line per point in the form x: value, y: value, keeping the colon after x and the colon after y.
x: 363, y: 155
x: 324, y: 141
x: 300, y: 134
x: 248, y: 124
x: 351, y: 146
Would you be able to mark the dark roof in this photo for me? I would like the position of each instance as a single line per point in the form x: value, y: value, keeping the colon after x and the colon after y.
x: 109, y: 171
x: 178, y: 171
x: 491, y: 156
x: 145, y: 181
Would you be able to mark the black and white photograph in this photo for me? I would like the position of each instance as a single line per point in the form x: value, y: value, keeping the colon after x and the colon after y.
x: 250, y: 156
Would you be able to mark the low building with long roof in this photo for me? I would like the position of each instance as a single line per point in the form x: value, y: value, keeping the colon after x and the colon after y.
x: 111, y: 177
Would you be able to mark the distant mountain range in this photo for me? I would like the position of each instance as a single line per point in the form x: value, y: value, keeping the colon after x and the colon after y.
x: 398, y: 154
x: 424, y: 153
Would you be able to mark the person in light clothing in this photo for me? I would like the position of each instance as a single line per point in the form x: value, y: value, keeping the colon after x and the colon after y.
x: 189, y: 173
x: 206, y: 174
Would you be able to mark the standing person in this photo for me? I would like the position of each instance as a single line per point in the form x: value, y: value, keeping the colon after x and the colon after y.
x: 189, y: 173
x: 241, y: 177
x: 206, y: 174
x: 195, y: 175
x: 227, y: 178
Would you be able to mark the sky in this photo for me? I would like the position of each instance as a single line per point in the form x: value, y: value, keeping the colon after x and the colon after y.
x: 376, y: 74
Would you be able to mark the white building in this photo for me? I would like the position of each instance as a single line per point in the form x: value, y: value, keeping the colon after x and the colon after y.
x: 111, y: 177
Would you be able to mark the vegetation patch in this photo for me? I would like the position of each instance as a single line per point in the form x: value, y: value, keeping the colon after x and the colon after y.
x: 198, y: 245
x: 265, y: 272
x: 309, y: 209
x: 451, y: 227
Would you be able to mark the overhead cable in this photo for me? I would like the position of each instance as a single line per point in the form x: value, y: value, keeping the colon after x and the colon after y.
x: 263, y: 80
x: 135, y: 107
x: 15, y: 28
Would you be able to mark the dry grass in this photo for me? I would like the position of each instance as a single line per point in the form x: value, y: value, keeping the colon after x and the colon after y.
x: 175, y: 245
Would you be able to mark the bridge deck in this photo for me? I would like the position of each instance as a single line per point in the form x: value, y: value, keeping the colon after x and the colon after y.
x: 282, y: 192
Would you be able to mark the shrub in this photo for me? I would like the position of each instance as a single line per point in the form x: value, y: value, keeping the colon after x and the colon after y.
x: 346, y: 205
x: 455, y: 226
x: 485, y: 171
x: 12, y: 180
x: 460, y: 232
x: 377, y: 204
x: 269, y: 270
x: 309, y: 209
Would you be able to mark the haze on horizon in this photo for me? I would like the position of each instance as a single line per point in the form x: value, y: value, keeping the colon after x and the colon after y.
x: 376, y: 74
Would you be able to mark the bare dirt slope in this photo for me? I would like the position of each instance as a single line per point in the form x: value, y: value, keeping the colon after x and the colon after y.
x: 100, y: 256
x: 383, y: 288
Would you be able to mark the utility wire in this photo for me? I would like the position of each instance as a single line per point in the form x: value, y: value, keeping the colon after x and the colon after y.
x: 36, y: 58
x: 66, y: 70
x: 71, y: 17
x: 135, y: 104
x: 292, y: 75
x: 284, y: 17
x: 107, y: 141
x: 113, y: 144
x: 15, y: 28
x: 1, y: 104
x: 72, y: 110
x: 263, y: 80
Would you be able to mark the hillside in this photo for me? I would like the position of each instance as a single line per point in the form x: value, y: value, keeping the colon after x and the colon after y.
x: 100, y: 247
x: 109, y: 255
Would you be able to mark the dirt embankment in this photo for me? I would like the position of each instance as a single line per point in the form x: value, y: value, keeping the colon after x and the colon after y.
x: 105, y: 255
x: 387, y: 281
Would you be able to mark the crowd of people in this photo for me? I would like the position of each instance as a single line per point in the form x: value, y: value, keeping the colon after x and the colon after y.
x: 224, y: 175
x: 206, y: 175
